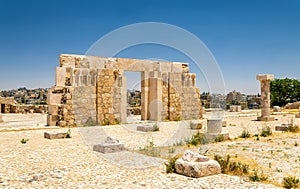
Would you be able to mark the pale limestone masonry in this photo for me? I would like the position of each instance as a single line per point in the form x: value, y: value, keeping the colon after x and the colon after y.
x: 235, y: 108
x: 6, y: 104
x: 265, y: 96
x: 91, y: 90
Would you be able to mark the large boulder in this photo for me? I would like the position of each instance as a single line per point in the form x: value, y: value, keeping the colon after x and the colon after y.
x: 195, y: 165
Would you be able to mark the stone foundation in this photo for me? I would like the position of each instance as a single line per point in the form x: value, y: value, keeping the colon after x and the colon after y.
x: 194, y: 165
x: 265, y: 118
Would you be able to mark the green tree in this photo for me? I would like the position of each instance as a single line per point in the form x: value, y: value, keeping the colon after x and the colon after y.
x: 284, y: 91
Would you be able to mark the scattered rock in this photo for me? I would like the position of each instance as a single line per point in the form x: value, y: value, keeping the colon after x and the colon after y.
x: 49, y: 135
x: 277, y: 109
x: 110, y: 146
x: 191, y: 156
x: 147, y: 128
x: 111, y: 140
x: 194, y: 165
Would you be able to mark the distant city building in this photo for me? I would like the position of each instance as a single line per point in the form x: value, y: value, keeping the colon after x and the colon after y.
x: 27, y: 96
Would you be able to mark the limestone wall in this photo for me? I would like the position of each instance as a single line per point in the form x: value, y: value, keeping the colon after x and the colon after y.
x: 6, y: 104
x: 92, y: 90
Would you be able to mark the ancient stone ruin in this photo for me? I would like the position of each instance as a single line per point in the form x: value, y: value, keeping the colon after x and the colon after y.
x: 265, y: 96
x: 110, y: 145
x: 9, y: 105
x: 92, y: 90
x: 195, y: 165
x: 6, y: 104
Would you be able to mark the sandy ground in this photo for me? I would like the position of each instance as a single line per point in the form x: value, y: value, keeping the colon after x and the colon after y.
x: 71, y: 163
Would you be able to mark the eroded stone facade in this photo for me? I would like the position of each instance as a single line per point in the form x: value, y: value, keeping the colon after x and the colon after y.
x: 92, y: 90
x: 6, y: 104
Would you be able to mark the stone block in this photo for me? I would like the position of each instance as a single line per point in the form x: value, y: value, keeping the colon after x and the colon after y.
x: 1, y: 120
x: 67, y: 61
x: 51, y: 120
x: 53, y: 109
x: 224, y: 123
x: 54, y: 98
x: 281, y: 128
x: 109, y: 147
x: 298, y: 115
x: 214, y: 125
x: 196, y: 167
x: 146, y: 128
x: 53, y: 135
x: 60, y: 77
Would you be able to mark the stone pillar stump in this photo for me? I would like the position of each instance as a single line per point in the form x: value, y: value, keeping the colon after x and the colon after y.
x: 265, y: 96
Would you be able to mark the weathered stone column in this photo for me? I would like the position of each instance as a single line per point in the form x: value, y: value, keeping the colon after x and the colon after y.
x: 265, y: 96
x: 155, y: 96
x: 145, y: 96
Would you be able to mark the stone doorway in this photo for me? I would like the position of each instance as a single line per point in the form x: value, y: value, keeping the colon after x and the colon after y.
x: 134, y: 93
x: 2, y: 108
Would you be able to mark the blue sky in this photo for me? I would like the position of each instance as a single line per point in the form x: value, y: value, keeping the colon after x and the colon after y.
x: 246, y: 37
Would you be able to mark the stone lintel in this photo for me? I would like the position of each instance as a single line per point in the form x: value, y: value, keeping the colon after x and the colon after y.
x: 265, y: 77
